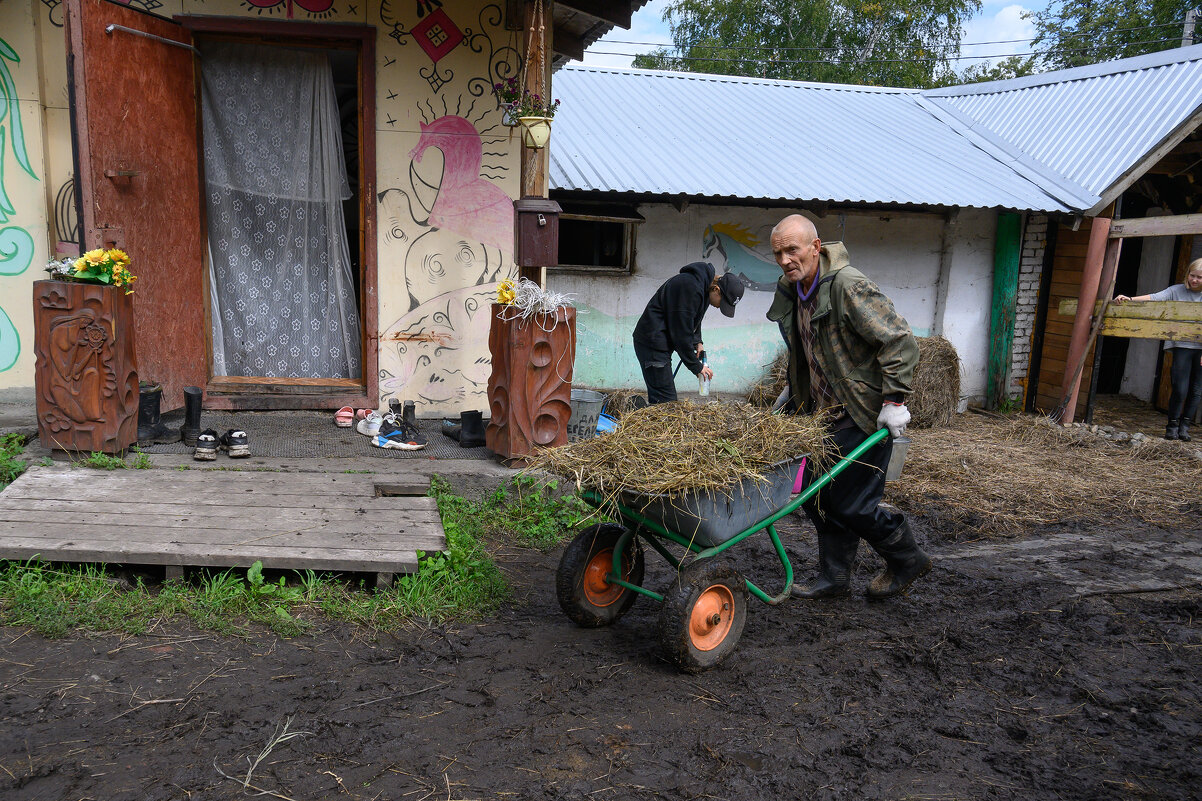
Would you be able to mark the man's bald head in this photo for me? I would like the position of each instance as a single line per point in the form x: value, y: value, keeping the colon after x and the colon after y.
x: 797, y: 248
x: 797, y: 224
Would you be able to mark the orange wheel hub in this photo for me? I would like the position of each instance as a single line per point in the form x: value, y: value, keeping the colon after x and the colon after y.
x: 597, y: 589
x: 711, y: 618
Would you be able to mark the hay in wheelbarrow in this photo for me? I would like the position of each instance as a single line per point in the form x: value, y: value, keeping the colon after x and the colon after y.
x: 685, y: 447
x: 936, y: 383
x: 936, y: 393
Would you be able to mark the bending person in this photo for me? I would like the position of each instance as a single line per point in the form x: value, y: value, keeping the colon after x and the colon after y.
x: 671, y: 323
x: 1185, y: 375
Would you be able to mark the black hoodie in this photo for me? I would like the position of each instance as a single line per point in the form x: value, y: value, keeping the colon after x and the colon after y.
x: 672, y: 319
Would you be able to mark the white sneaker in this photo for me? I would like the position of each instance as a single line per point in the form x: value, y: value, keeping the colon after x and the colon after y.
x: 370, y: 426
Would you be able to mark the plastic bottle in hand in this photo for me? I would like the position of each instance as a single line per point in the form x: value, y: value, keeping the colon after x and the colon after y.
x: 703, y: 383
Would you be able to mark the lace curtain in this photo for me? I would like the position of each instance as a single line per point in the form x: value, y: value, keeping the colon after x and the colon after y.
x: 283, y: 296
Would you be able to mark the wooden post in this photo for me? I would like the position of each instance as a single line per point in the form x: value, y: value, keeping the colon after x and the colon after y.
x: 1007, y: 251
x: 1091, y: 277
x: 538, y: 79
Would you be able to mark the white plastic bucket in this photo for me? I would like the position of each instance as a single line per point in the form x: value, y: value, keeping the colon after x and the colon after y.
x: 586, y: 408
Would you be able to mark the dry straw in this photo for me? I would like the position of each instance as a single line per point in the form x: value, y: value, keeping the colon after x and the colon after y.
x: 936, y: 383
x: 987, y: 477
x: 684, y: 447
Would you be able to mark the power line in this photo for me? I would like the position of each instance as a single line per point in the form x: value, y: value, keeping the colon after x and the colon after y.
x: 772, y: 61
x: 1173, y: 25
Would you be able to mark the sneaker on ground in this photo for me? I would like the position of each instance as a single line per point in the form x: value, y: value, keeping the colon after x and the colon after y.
x: 399, y: 435
x: 370, y: 426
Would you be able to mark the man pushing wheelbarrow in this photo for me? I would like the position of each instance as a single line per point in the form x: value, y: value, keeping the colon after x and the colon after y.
x: 851, y: 354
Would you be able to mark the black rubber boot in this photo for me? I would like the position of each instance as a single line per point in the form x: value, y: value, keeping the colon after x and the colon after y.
x: 451, y: 429
x: 150, y: 424
x: 836, y: 554
x: 409, y: 413
x: 905, y: 563
x: 471, y: 434
x: 190, y: 430
x: 1173, y: 429
x: 1183, y: 431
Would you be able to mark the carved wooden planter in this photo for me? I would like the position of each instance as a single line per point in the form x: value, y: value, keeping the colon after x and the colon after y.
x: 530, y: 389
x: 85, y: 376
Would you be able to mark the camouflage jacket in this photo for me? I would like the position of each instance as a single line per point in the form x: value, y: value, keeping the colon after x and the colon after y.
x: 865, y: 348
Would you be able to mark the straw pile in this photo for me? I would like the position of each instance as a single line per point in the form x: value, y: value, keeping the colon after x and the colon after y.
x: 682, y: 446
x: 936, y: 384
x: 621, y: 401
x: 987, y: 477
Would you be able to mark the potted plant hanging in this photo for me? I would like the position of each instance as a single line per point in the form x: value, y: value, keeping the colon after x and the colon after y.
x: 535, y: 116
x: 86, y: 382
x: 509, y: 98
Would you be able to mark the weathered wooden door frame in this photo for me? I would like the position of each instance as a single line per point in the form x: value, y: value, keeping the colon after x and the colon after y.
x: 231, y: 392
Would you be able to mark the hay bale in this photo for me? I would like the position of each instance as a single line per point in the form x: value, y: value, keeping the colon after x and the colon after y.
x: 936, y: 393
x: 936, y: 383
x: 682, y: 446
x: 767, y: 389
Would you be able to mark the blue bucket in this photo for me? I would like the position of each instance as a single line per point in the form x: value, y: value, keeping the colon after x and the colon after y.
x: 605, y: 424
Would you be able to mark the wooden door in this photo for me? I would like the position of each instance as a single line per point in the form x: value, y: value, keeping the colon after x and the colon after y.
x: 1068, y: 264
x: 135, y: 135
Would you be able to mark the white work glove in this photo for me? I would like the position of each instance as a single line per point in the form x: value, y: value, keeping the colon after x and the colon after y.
x: 895, y: 417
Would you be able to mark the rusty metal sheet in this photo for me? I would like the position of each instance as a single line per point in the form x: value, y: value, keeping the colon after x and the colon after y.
x: 134, y: 103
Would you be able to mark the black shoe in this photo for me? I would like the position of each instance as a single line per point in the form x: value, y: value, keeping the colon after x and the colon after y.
x: 451, y: 429
x: 1173, y: 429
x: 905, y: 563
x: 409, y: 413
x: 1183, y: 431
x: 190, y: 430
x: 151, y: 429
x: 206, y: 446
x: 235, y: 443
x: 471, y: 434
x: 836, y: 554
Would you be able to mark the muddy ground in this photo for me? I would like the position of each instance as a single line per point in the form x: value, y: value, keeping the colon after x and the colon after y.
x: 1067, y: 665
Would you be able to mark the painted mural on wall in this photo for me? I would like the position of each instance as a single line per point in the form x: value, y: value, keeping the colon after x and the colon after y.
x: 450, y: 221
x: 737, y: 249
x: 16, y: 244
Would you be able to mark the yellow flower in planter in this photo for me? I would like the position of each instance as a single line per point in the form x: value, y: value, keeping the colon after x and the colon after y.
x: 105, y: 267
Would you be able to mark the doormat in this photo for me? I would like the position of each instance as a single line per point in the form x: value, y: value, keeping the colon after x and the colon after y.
x: 313, y: 435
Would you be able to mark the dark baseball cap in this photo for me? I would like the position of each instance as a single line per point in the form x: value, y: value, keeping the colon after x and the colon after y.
x: 732, y: 292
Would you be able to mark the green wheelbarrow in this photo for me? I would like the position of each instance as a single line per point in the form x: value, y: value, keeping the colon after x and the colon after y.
x: 705, y: 606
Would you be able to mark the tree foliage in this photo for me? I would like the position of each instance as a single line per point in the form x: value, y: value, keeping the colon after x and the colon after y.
x: 1072, y: 33
x: 874, y: 42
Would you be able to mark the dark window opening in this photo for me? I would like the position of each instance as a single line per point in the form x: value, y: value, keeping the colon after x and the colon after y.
x: 597, y: 237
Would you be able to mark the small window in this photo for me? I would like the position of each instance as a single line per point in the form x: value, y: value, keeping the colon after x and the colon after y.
x: 596, y: 238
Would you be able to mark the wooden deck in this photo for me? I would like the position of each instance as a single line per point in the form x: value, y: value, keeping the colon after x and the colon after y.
x: 215, y: 518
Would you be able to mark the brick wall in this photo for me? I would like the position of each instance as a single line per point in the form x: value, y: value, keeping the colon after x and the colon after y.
x: 1030, y: 269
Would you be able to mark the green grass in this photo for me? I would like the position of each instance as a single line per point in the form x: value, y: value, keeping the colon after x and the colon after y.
x: 462, y: 582
x: 11, y: 447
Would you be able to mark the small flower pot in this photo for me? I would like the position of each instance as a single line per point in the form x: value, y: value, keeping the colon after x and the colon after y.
x: 509, y: 115
x: 536, y: 131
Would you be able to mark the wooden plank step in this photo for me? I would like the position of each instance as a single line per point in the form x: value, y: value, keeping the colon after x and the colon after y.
x: 219, y: 519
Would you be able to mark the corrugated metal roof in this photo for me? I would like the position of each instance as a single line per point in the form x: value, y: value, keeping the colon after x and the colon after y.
x: 643, y: 131
x: 1090, y: 124
x: 1052, y: 142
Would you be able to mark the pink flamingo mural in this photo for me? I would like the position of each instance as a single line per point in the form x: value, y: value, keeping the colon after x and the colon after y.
x: 466, y: 204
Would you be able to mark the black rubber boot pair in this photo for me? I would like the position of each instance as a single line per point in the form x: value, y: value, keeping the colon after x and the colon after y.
x: 1173, y: 430
x: 406, y: 411
x: 836, y: 555
x: 468, y: 432
x: 905, y: 563
x: 151, y: 429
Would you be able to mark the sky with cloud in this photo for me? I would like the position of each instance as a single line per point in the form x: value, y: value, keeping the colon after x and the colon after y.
x: 996, y: 22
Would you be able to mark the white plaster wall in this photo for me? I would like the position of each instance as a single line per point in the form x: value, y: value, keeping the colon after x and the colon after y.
x: 900, y: 251
x: 1155, y: 273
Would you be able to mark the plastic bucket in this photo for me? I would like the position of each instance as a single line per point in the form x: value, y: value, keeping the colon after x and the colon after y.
x: 605, y: 424
x: 586, y: 408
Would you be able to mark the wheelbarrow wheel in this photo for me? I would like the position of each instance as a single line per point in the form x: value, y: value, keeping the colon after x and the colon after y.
x: 585, y: 596
x: 703, y: 614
